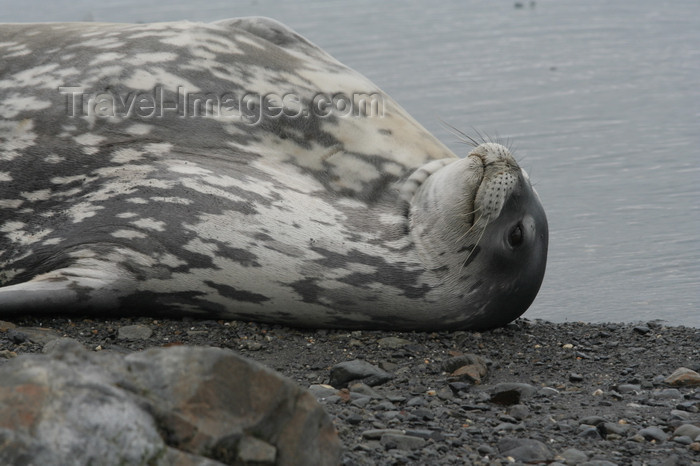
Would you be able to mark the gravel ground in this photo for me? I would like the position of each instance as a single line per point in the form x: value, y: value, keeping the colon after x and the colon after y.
x: 586, y: 393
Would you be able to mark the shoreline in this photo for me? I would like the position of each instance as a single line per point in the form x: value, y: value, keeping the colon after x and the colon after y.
x: 586, y: 392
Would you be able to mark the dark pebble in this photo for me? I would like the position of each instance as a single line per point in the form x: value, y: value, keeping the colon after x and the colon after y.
x: 348, y: 371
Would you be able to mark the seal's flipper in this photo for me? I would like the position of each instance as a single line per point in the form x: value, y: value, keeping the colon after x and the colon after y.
x: 70, y: 290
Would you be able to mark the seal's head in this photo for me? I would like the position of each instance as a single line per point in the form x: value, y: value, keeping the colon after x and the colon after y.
x: 479, y: 225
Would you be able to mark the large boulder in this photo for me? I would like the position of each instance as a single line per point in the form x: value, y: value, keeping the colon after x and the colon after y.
x: 178, y: 405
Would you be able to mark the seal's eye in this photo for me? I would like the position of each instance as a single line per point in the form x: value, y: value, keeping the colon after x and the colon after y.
x: 515, y: 237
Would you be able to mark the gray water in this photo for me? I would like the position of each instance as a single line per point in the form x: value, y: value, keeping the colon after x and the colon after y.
x: 599, y: 99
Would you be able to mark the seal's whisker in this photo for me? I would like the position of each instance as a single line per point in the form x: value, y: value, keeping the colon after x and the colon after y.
x: 466, y: 261
x: 473, y: 225
x: 467, y: 214
x: 464, y: 137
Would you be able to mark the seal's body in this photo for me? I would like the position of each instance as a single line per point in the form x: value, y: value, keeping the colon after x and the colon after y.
x: 234, y: 170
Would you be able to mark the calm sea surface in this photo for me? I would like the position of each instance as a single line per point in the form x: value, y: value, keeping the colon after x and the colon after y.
x: 601, y: 101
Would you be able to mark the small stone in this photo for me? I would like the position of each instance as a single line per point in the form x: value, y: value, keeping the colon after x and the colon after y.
x: 683, y: 440
x: 598, y: 392
x: 393, y: 342
x: 37, y: 335
x: 525, y: 450
x: 254, y: 451
x: 58, y: 343
x: 589, y: 432
x: 7, y: 354
x: 508, y: 427
x: 668, y: 394
x: 608, y: 428
x: 364, y: 389
x: 357, y: 369
x: 591, y: 420
x: 135, y: 332
x: 445, y: 393
x: 252, y: 345
x: 519, y: 412
x: 457, y: 387
x: 361, y: 402
x: 425, y: 433
x: 486, y: 450
x: 653, y: 433
x: 677, y: 414
x: 547, y: 392
x: 5, y: 326
x: 683, y: 377
x: 471, y: 373
x: 572, y: 456
x: 511, y: 393
x: 416, y: 401
x: 322, y: 391
x: 402, y: 442
x: 688, y: 430
x: 469, y: 359
x: 374, y: 434
x: 695, y: 446
x: 385, y: 406
x: 642, y: 329
x: 574, y: 377
x: 626, y: 388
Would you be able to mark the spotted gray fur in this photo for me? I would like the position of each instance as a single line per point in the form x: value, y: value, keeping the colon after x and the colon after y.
x: 360, y: 220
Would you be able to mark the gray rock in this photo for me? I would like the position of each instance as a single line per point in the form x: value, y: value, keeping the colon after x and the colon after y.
x: 508, y: 427
x: 161, y: 406
x: 598, y: 463
x: 688, y: 430
x: 486, y: 450
x: 58, y: 343
x: 591, y: 420
x: 510, y: 393
x: 628, y: 388
x: 424, y: 433
x: 364, y: 389
x: 254, y: 451
x: 589, y: 432
x: 683, y: 440
x: 613, y: 428
x: 393, y: 342
x: 654, y: 433
x: 402, y: 442
x: 377, y: 433
x: 357, y: 369
x: 668, y: 394
x: 416, y: 401
x: 573, y: 456
x: 683, y: 377
x: 322, y: 391
x: 37, y: 335
x: 525, y: 450
x: 134, y: 332
x: 519, y: 412
x: 547, y: 392
x: 455, y: 363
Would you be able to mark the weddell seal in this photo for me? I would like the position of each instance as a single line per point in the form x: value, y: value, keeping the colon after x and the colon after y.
x: 234, y: 170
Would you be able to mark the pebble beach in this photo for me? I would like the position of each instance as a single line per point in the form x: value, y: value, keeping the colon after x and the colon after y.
x: 533, y: 392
